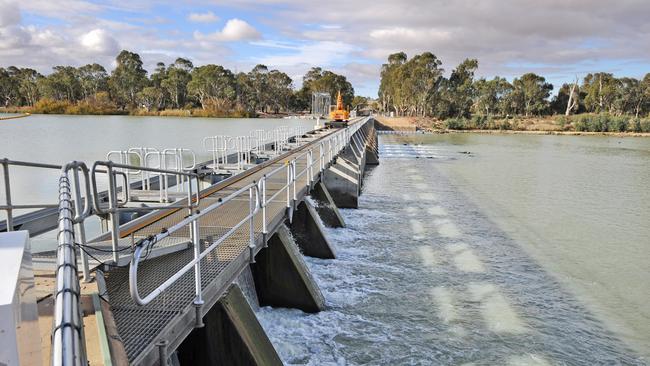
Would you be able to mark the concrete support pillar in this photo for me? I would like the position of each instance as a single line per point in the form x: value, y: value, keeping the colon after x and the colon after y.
x: 372, y: 149
x: 282, y: 278
x: 326, y: 207
x: 309, y: 233
x: 231, y: 336
x: 343, y: 180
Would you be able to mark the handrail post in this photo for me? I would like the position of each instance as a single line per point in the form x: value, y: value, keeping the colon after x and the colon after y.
x: 79, y: 226
x: 310, y: 163
x: 251, y: 224
x: 264, y: 228
x: 115, y: 215
x: 10, y: 217
x: 198, y: 287
x: 288, y: 184
x: 293, y: 178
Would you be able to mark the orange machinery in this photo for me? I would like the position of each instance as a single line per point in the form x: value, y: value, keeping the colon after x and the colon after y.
x: 339, y: 114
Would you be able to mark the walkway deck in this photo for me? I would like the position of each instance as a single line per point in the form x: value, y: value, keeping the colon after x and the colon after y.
x: 170, y: 317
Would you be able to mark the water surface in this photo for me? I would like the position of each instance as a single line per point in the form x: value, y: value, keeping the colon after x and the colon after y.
x: 484, y: 250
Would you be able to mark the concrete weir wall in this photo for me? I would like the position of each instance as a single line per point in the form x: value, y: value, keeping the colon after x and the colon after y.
x: 279, y: 277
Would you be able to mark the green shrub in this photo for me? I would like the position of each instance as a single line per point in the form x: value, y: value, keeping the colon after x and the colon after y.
x: 456, y: 124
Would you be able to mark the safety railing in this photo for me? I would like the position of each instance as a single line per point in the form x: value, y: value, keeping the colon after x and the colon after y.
x: 68, y: 343
x: 312, y: 161
x: 172, y: 159
x: 115, y: 205
x: 9, y: 207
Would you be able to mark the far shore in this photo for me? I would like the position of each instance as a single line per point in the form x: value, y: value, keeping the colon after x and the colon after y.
x: 551, y: 125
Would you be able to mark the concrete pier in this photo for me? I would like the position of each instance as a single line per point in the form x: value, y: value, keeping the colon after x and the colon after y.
x: 326, y: 207
x: 309, y: 233
x: 282, y: 278
x: 231, y: 336
x: 343, y: 180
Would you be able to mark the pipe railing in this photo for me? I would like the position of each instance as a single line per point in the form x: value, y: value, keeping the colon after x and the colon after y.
x: 9, y: 206
x: 115, y: 206
x: 68, y: 343
x: 330, y: 146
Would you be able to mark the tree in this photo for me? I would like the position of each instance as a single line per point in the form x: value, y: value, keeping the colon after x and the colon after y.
x: 8, y: 86
x: 458, y: 90
x: 150, y: 97
x: 323, y: 81
x: 280, y: 90
x: 489, y: 95
x: 62, y: 84
x: 531, y: 92
x: 176, y: 80
x: 213, y: 86
x: 601, y: 89
x: 128, y: 78
x: 28, y: 86
x: 93, y: 79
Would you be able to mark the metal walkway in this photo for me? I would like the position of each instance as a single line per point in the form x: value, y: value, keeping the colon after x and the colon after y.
x: 162, y: 272
x: 169, y: 318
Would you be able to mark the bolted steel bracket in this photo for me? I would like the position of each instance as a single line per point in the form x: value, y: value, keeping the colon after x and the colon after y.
x: 198, y: 309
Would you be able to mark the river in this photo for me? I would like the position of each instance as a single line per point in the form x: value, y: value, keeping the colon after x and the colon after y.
x: 486, y: 250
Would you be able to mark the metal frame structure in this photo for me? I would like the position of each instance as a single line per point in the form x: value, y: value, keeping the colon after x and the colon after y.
x: 321, y: 104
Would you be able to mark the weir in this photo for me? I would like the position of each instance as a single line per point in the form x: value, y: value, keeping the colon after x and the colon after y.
x: 168, y: 278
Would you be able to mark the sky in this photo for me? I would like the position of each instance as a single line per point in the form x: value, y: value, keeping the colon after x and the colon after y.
x: 559, y: 39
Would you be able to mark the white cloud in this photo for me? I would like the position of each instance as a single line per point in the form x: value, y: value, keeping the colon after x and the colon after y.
x: 100, y: 42
x: 208, y: 17
x: 234, y: 30
x: 9, y: 14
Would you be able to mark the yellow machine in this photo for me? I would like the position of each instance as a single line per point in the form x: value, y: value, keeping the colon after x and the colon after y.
x: 339, y: 114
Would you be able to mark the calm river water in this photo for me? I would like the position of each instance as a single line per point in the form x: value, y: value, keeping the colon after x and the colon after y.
x: 487, y: 250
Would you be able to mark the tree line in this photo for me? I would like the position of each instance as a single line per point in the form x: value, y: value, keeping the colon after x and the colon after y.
x: 418, y: 87
x: 210, y: 90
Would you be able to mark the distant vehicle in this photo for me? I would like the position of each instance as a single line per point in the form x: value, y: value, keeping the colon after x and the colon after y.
x: 339, y: 114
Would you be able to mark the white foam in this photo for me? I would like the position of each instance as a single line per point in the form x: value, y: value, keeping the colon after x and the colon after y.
x: 447, y: 229
x: 527, y: 360
x: 428, y: 256
x: 427, y: 196
x: 417, y: 178
x: 412, y: 210
x: 406, y: 197
x: 417, y: 227
x: 445, y: 302
x: 421, y: 186
x: 498, y: 314
x: 464, y: 258
x: 437, y: 211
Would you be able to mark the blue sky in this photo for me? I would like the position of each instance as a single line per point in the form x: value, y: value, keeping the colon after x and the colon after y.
x: 557, y: 39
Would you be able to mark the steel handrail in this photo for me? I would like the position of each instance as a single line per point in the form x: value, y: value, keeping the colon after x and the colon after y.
x: 257, y: 190
x: 9, y: 207
x: 145, y: 243
x: 68, y: 343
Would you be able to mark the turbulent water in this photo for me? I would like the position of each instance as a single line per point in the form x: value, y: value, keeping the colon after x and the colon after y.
x: 426, y: 274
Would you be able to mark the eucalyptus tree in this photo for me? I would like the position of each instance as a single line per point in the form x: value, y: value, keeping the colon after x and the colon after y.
x: 62, y: 84
x: 531, y: 93
x: 93, y: 79
x: 489, y: 95
x: 128, y: 78
x: 601, y: 89
x: 178, y: 75
x: 8, y: 86
x: 279, y: 90
x: 150, y: 97
x: 630, y: 97
x: 319, y: 80
x: 213, y: 86
x: 28, y: 85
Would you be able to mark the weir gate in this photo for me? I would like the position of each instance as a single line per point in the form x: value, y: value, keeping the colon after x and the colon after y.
x: 183, y: 245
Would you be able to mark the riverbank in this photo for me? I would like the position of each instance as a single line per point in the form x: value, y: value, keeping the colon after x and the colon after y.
x: 579, y: 125
x: 23, y: 115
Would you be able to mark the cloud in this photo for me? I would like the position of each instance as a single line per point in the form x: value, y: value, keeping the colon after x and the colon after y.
x: 98, y: 41
x: 9, y: 14
x: 234, y: 30
x: 208, y: 17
